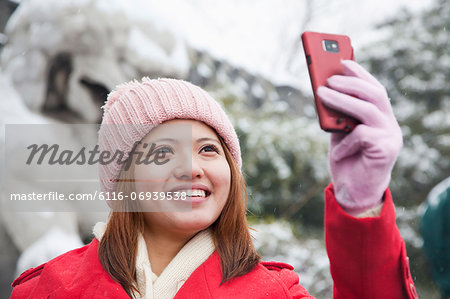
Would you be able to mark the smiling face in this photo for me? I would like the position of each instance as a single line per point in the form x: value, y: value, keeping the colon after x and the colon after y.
x: 194, y: 164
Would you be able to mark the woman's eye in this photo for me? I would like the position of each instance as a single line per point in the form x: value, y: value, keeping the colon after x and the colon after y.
x: 164, y: 150
x: 209, y: 148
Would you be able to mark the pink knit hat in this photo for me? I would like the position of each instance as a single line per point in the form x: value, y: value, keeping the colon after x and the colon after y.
x: 140, y: 106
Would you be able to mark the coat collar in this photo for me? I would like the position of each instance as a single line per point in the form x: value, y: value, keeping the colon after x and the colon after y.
x: 79, y: 274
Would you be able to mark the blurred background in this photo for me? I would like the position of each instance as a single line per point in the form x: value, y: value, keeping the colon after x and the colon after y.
x: 59, y: 60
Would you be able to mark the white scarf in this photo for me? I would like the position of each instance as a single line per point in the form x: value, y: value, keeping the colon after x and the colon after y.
x: 189, y: 258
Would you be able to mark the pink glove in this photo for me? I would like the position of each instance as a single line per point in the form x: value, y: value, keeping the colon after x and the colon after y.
x: 361, y: 162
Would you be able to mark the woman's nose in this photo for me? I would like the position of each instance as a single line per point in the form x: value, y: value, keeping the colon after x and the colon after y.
x: 188, y: 170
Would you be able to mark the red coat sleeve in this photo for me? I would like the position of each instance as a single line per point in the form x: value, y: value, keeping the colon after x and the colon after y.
x: 367, y: 255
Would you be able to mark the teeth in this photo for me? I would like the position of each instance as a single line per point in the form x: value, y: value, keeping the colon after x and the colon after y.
x: 195, y: 192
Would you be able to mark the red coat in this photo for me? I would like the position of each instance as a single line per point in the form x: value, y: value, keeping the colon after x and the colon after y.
x: 368, y: 260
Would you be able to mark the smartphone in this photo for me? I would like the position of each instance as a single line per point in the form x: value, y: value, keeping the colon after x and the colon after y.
x: 324, y: 52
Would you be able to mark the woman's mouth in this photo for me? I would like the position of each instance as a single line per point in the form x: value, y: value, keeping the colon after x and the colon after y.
x: 194, y: 195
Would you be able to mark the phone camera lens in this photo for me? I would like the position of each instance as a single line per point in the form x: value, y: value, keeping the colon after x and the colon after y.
x: 330, y: 46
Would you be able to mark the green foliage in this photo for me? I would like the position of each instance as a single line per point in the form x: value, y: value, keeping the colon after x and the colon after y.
x: 285, y: 157
x: 413, y: 62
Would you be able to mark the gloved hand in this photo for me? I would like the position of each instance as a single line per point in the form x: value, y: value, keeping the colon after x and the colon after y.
x: 361, y: 161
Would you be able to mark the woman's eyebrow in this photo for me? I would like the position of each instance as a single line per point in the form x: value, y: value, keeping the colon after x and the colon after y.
x: 199, y: 140
x: 165, y: 140
x: 203, y: 139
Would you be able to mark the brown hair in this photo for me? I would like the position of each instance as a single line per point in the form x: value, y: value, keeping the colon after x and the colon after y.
x: 231, y: 234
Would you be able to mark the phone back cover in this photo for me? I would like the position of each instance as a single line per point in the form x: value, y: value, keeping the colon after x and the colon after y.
x: 322, y: 65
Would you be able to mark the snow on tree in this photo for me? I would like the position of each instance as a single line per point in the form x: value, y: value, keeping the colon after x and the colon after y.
x: 413, y: 63
x: 285, y: 156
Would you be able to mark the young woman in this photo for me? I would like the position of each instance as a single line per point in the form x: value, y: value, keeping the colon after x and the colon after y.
x: 196, y: 244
